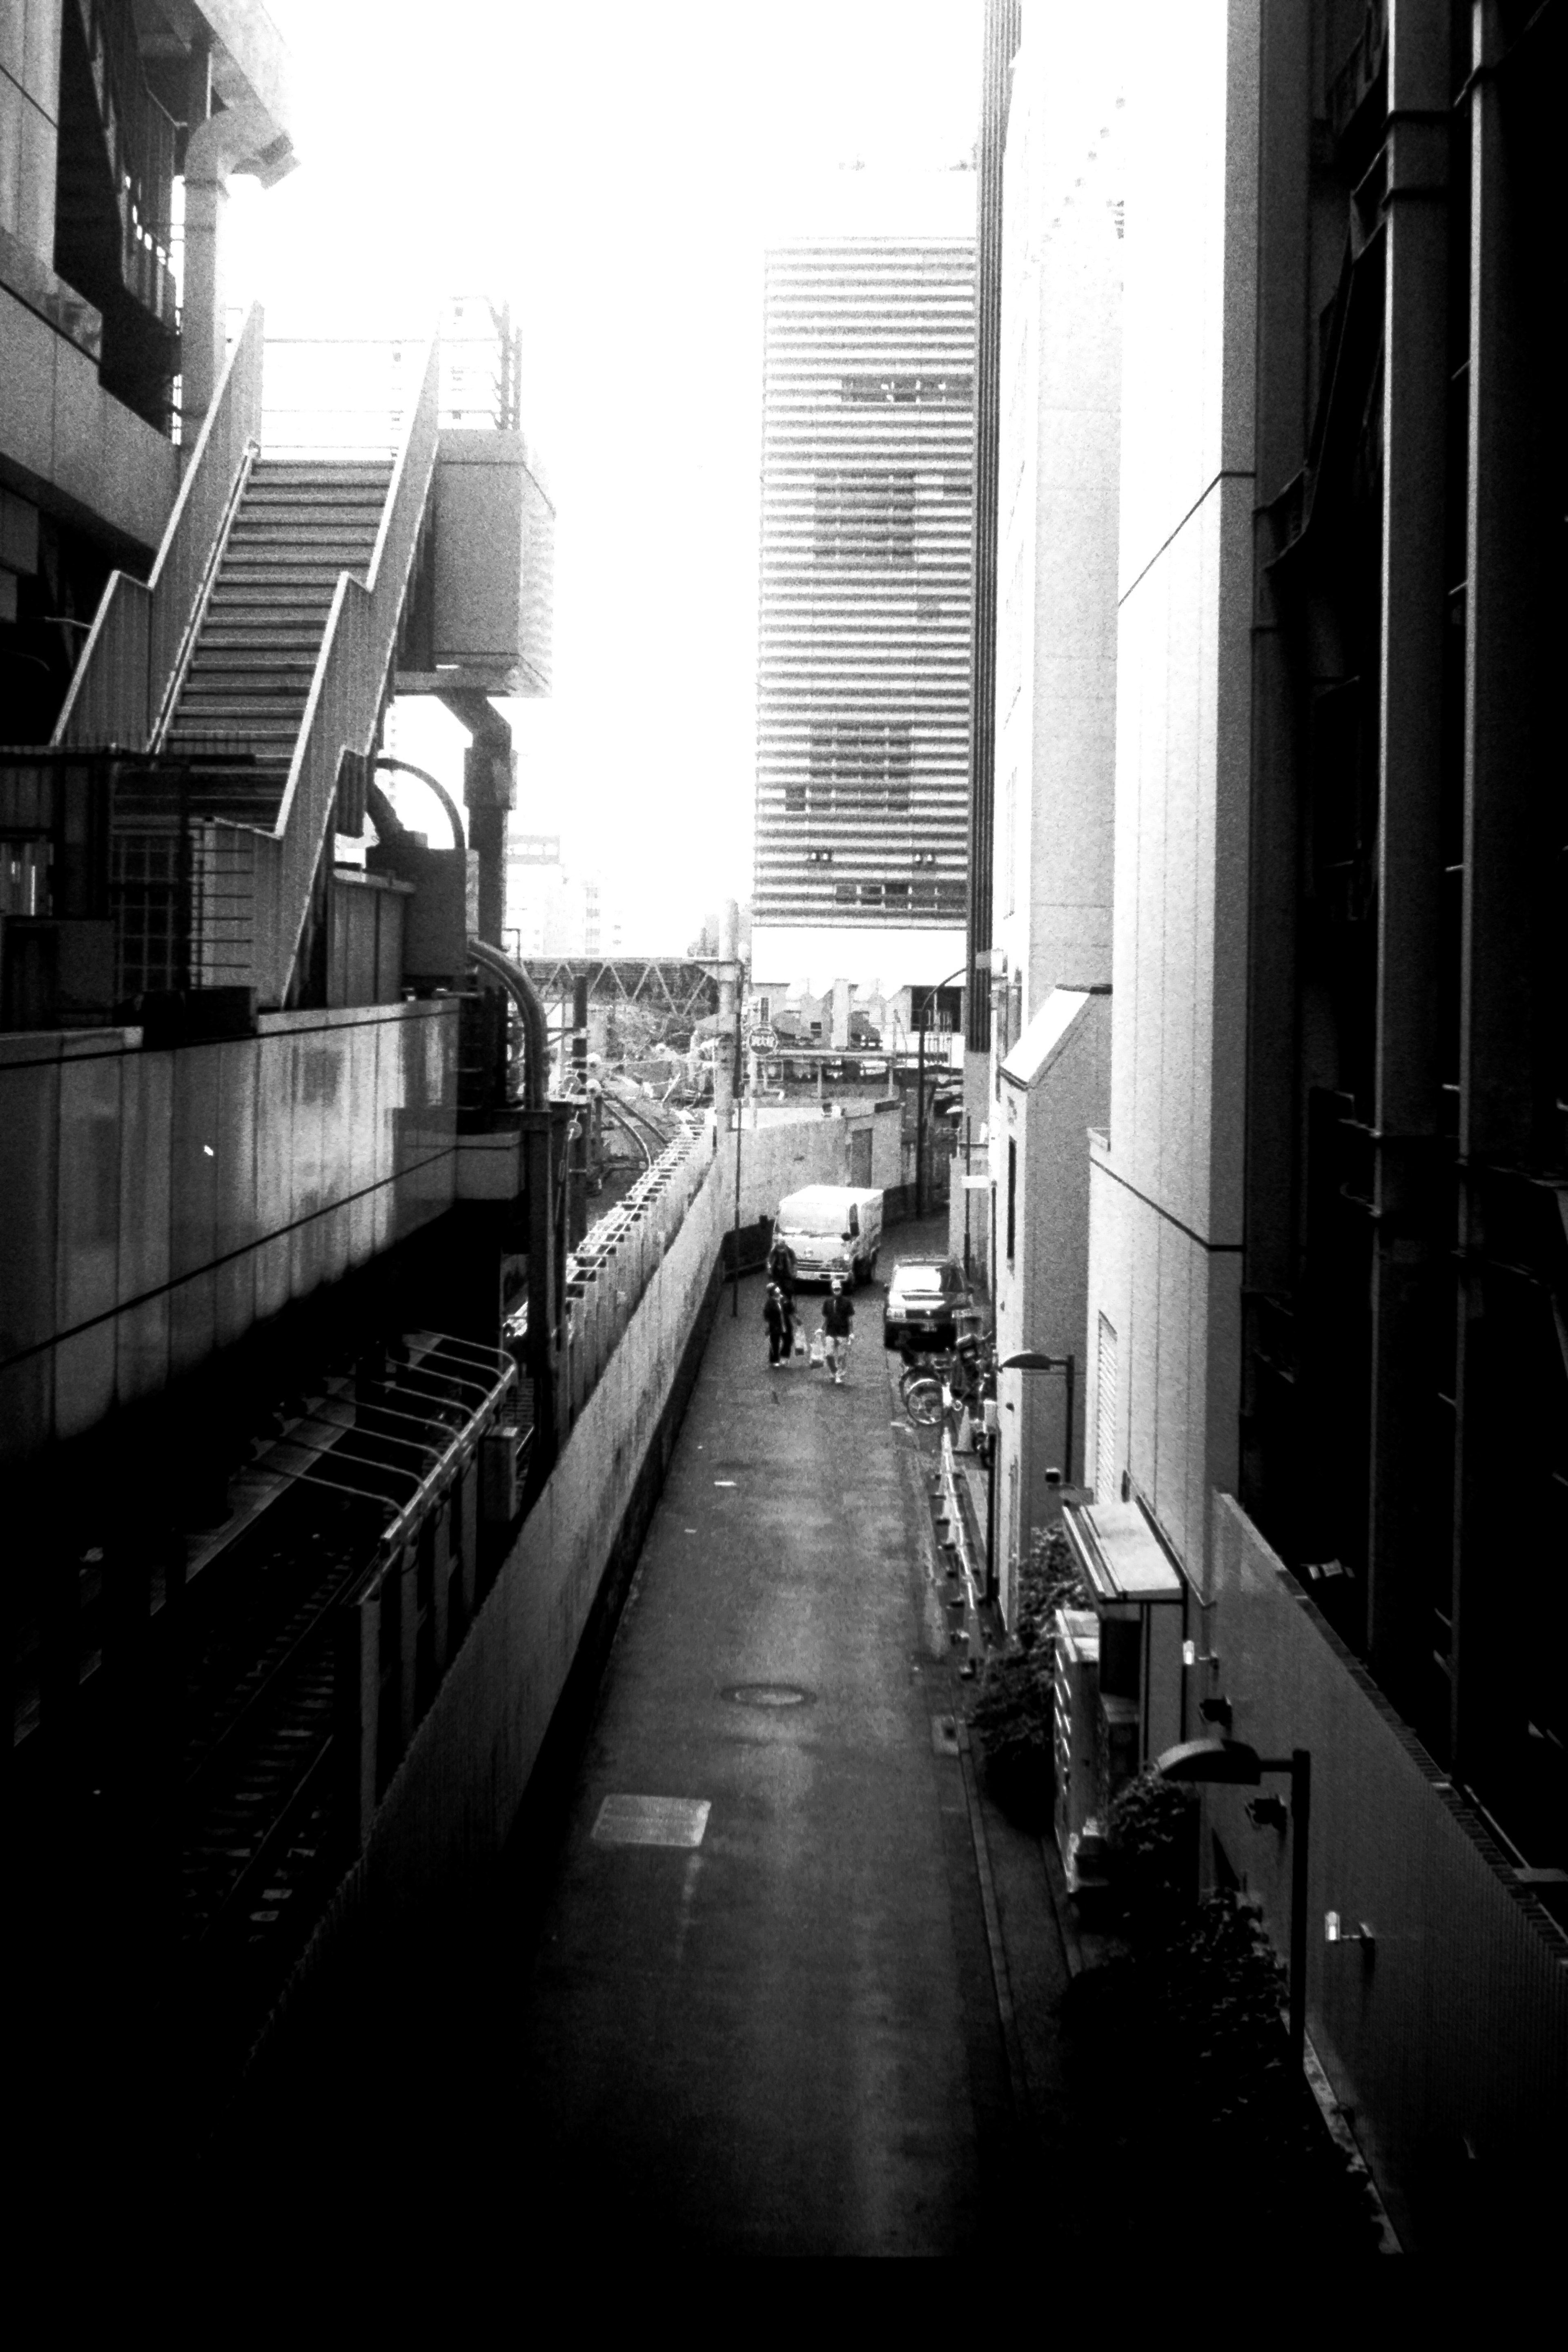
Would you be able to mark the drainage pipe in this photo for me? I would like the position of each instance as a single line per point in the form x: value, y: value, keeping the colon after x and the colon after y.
x: 407, y: 767
x: 527, y: 999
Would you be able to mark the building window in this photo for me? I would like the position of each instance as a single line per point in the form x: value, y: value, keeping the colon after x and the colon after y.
x: 864, y: 516
x: 860, y: 765
x: 1012, y: 1198
x: 1107, y: 1486
x: 938, y: 897
x: 907, y: 391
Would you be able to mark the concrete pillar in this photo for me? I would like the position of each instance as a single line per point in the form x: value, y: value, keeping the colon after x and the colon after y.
x: 1408, y: 1080
x: 201, y: 311
x: 842, y: 1000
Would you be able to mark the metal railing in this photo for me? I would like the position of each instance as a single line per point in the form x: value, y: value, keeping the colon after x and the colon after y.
x: 340, y: 395
x: 342, y: 708
x: 141, y: 630
x: 351, y: 395
x: 612, y: 1265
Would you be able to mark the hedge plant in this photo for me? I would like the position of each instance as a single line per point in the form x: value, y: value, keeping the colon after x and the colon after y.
x: 1012, y: 1710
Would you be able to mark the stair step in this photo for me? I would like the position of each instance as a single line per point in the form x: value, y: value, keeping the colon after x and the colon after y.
x: 250, y: 647
x: 313, y: 531
x: 361, y: 524
x: 224, y: 708
x: 358, y: 497
x: 245, y: 666
x: 333, y: 551
x: 306, y: 602
x: 269, y: 734
x: 282, y: 474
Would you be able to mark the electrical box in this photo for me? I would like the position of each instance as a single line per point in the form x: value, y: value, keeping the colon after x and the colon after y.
x: 493, y: 563
x: 436, y: 920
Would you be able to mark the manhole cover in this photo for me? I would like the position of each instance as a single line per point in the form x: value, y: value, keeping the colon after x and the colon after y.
x: 767, y: 1694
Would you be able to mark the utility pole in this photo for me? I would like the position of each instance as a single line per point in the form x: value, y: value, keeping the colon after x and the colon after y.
x: 727, y: 1071
x: 578, y: 1213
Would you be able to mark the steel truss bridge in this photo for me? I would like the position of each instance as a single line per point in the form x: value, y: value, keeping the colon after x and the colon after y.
x: 667, y: 985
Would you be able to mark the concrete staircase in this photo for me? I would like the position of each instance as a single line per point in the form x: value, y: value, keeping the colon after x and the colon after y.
x: 300, y: 523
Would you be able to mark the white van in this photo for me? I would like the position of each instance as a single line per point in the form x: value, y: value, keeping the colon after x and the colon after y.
x: 832, y: 1229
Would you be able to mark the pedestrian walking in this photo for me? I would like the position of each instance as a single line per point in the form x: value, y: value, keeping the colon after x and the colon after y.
x: 779, y: 1322
x: 837, y: 1328
x: 781, y: 1266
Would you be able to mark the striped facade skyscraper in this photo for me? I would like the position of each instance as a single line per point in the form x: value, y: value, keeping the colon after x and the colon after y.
x: 863, y: 704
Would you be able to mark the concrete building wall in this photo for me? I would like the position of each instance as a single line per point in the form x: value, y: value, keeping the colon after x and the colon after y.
x: 1447, y: 2039
x: 1166, y: 1214
x: 29, y: 122
x: 1061, y: 362
x: 159, y: 1203
x: 1056, y: 719
x: 1042, y: 1288
x: 807, y: 959
x: 65, y: 442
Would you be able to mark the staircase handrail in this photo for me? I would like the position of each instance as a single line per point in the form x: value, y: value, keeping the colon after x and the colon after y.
x: 140, y: 631
x: 174, y: 684
x: 342, y: 709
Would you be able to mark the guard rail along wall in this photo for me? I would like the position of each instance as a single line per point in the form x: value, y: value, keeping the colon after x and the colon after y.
x: 135, y: 650
x: 455, y: 1797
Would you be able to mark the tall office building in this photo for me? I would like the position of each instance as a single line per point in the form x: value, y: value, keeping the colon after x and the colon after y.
x: 864, y: 661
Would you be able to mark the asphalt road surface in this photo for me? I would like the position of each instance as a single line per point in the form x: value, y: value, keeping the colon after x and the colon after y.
x: 774, y: 2029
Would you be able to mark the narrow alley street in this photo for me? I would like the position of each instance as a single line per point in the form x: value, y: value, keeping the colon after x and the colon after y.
x: 771, y: 1977
x: 778, y: 2031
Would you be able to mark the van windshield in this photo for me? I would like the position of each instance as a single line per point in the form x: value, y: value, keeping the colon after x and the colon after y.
x: 817, y: 1221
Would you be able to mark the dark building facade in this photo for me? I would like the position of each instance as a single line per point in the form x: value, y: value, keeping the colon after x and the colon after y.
x: 1405, y: 1409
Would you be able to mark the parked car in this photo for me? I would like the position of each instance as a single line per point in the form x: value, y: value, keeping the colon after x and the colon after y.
x: 926, y: 1299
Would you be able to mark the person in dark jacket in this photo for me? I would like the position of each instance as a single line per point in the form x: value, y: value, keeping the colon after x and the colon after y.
x: 781, y: 1265
x: 838, y: 1325
x: 779, y: 1318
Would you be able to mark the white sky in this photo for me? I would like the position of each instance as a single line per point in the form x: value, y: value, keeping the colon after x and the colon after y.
x: 614, y: 169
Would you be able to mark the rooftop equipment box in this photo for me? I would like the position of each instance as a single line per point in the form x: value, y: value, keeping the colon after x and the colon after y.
x: 494, y: 563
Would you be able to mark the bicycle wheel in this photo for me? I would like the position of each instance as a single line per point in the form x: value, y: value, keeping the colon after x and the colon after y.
x: 923, y: 1401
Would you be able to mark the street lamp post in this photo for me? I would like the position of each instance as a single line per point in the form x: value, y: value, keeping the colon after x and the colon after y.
x: 1231, y: 1762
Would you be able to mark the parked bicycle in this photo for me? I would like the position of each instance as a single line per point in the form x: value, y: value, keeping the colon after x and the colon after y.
x: 949, y: 1381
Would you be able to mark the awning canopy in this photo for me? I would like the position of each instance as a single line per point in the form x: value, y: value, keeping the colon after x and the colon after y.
x: 1120, y: 1555
x: 1045, y: 1036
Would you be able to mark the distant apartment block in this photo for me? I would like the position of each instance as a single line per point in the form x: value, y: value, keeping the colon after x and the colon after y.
x: 863, y: 656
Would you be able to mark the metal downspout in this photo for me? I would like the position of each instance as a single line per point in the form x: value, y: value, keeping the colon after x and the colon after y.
x: 527, y: 999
